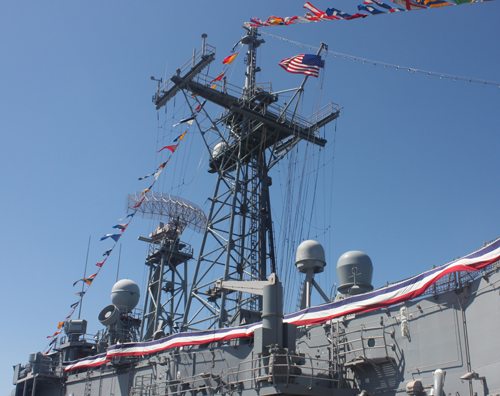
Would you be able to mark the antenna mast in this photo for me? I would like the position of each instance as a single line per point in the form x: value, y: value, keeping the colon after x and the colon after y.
x: 251, y: 136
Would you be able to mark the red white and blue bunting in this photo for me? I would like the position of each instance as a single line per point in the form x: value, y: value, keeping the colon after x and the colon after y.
x: 381, y: 298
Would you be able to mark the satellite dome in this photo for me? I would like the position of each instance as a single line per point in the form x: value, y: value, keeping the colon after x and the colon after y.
x: 125, y: 295
x: 219, y: 148
x: 310, y: 255
x: 354, y: 271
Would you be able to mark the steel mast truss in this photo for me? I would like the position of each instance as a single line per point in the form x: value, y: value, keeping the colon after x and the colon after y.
x: 250, y: 138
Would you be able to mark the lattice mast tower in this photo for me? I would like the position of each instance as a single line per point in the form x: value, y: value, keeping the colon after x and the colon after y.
x: 252, y: 135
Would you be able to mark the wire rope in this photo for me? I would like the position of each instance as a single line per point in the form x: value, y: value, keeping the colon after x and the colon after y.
x: 412, y: 70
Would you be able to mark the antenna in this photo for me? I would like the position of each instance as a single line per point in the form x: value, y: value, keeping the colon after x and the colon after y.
x: 310, y: 260
x: 253, y: 134
x: 201, y: 59
x: 119, y: 259
x: 180, y: 212
x: 167, y: 260
x: 238, y: 244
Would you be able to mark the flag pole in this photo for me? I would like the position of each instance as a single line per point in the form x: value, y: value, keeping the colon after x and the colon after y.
x: 84, y: 276
x: 300, y: 89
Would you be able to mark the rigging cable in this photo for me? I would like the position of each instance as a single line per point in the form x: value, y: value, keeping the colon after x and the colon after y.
x: 412, y: 70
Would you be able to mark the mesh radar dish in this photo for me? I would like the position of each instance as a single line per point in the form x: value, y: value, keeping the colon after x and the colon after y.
x: 180, y: 212
x: 167, y: 259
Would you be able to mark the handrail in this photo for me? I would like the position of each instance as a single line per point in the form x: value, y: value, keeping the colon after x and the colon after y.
x: 312, y: 373
x: 259, y: 370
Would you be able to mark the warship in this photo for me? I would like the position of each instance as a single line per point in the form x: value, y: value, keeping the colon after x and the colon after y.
x: 200, y: 334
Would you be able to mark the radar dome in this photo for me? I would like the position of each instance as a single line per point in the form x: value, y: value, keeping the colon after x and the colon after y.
x: 125, y: 295
x: 310, y: 255
x: 354, y: 271
x: 219, y: 148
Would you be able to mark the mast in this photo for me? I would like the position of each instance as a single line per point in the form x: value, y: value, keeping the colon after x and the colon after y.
x: 252, y: 136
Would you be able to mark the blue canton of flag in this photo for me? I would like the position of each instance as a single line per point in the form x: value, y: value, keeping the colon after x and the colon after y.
x: 313, y: 60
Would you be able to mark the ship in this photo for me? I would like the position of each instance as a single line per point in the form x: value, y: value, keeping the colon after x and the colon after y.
x: 197, y: 334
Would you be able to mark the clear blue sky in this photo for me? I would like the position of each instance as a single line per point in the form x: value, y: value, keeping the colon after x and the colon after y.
x: 413, y: 182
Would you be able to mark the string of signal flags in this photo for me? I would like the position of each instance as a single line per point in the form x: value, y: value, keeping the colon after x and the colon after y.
x: 121, y: 227
x: 373, y: 7
x: 304, y: 64
x: 310, y: 64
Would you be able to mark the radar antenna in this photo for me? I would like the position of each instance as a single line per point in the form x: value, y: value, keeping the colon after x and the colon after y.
x: 167, y: 289
x: 181, y: 212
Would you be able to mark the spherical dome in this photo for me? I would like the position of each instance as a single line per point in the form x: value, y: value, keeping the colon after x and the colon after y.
x: 310, y: 255
x: 355, y: 270
x: 219, y: 148
x: 125, y: 295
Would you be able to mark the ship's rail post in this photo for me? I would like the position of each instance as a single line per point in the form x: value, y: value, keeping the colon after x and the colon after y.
x: 203, y: 36
x: 253, y: 374
x: 337, y: 352
x: 288, y: 367
x: 385, y: 342
x: 271, y: 367
x: 361, y: 339
x: 312, y: 373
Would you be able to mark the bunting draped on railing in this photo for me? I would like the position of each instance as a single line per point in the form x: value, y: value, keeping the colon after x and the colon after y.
x: 381, y: 298
x: 370, y: 6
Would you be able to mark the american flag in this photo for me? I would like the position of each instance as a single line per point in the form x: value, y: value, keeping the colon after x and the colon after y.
x: 303, y: 64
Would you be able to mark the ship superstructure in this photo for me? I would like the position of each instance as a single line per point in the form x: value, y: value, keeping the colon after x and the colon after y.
x: 227, y: 334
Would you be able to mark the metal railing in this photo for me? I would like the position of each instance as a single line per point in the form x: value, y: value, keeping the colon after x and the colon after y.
x: 253, y: 373
x: 208, y: 50
x: 304, y: 122
x: 359, y: 346
x: 455, y: 280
